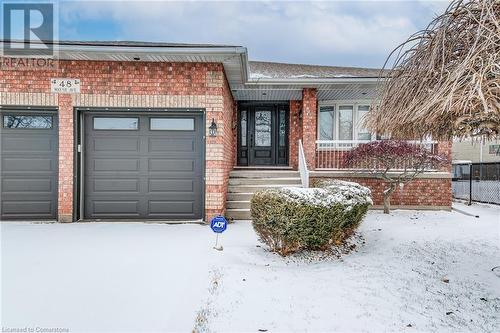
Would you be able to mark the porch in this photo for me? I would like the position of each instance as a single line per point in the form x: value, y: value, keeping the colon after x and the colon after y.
x: 310, y: 131
x: 330, y: 154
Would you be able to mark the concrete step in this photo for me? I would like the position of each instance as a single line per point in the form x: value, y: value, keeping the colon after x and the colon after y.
x: 264, y: 174
x: 264, y: 181
x: 238, y: 213
x: 239, y: 196
x: 243, y: 183
x: 255, y: 188
x: 262, y: 167
x: 238, y: 204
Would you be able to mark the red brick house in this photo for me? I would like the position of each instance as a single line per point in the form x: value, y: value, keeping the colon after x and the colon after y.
x: 165, y: 131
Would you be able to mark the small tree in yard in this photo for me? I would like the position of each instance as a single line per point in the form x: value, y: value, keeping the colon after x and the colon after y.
x: 396, y: 162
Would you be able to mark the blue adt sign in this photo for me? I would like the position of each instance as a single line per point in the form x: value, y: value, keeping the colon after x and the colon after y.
x: 218, y: 224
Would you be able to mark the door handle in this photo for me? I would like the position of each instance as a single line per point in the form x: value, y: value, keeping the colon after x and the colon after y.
x: 251, y: 139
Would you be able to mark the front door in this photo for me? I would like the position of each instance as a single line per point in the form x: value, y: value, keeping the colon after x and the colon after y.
x: 263, y: 135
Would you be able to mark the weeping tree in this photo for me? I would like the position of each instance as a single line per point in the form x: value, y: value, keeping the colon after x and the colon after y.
x: 445, y: 79
x: 395, y: 162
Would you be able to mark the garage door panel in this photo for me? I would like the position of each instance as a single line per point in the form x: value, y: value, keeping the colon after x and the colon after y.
x: 186, y: 145
x: 171, y: 185
x: 110, y: 208
x: 28, y: 164
x: 144, y: 173
x: 116, y: 164
x: 169, y: 164
x: 29, y: 143
x: 174, y: 207
x: 36, y: 185
x: 23, y: 208
x: 115, y: 185
x: 115, y: 144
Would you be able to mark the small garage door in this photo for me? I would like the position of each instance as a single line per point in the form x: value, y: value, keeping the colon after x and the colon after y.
x: 143, y: 166
x: 28, y: 165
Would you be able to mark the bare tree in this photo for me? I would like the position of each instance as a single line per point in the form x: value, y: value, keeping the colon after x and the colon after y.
x: 445, y: 79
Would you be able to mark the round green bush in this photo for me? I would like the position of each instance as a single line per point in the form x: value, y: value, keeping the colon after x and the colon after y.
x: 291, y: 219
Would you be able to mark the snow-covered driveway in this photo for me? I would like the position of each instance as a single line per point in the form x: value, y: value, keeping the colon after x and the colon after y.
x: 416, y: 271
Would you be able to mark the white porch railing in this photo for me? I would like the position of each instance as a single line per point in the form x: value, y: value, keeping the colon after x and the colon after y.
x: 330, y: 154
x: 304, y: 172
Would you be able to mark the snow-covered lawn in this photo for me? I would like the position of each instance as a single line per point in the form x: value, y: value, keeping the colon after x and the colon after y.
x: 416, y: 271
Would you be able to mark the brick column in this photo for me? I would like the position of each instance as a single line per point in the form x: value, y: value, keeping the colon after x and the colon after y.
x: 309, y: 114
x: 444, y: 148
x: 65, y: 201
x: 445, y: 192
x: 220, y: 150
x: 295, y: 133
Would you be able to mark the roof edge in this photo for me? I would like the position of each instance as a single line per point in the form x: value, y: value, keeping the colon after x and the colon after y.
x: 213, y: 50
x: 158, y: 49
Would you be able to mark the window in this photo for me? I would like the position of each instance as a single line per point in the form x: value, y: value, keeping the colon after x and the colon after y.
x: 326, y: 122
x: 494, y: 150
x: 263, y: 128
x: 115, y: 123
x: 35, y: 122
x: 363, y: 133
x: 282, y: 132
x: 171, y: 124
x: 243, y: 121
x: 345, y: 122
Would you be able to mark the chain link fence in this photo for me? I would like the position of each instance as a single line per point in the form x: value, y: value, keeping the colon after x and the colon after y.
x: 477, y: 182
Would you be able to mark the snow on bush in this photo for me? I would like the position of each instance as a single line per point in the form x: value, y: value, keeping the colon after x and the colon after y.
x: 292, y: 219
x: 353, y: 193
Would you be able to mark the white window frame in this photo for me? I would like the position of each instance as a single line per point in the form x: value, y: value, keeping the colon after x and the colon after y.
x: 336, y: 104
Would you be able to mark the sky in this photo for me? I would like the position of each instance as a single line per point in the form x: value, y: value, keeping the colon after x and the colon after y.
x: 337, y: 33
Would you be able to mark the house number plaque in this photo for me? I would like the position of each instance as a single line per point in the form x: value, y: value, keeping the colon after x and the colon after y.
x: 65, y: 86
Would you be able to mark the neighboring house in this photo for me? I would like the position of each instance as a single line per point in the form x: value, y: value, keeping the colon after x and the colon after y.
x: 475, y: 151
x: 155, y: 131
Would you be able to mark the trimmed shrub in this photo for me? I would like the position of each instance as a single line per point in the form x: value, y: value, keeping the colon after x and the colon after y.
x: 291, y: 219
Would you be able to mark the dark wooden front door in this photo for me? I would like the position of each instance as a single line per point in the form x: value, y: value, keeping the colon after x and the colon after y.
x: 263, y: 135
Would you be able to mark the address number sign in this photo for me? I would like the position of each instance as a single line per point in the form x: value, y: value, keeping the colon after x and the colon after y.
x: 65, y: 86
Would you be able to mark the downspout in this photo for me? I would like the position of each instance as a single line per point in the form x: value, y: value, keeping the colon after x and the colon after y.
x: 481, y: 150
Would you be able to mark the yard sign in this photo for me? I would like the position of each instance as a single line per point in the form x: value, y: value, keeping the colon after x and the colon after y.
x: 218, y: 225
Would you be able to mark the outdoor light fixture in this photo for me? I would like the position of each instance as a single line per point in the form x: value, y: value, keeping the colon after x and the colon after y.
x: 212, y: 130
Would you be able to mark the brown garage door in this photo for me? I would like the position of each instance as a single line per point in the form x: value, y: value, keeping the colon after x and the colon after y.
x: 29, y: 166
x: 143, y: 166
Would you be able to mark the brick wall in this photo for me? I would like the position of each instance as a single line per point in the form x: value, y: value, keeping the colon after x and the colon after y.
x: 133, y: 85
x: 422, y: 192
x: 309, y: 115
x: 218, y: 169
x: 444, y: 148
x: 295, y: 132
x: 66, y: 158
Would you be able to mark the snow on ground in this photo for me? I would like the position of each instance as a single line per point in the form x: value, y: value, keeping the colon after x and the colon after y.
x: 101, y: 277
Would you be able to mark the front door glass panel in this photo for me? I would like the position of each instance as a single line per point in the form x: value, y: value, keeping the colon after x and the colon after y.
x: 282, y: 128
x: 263, y: 128
x: 243, y: 128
